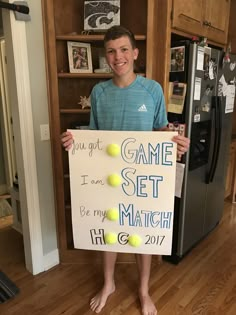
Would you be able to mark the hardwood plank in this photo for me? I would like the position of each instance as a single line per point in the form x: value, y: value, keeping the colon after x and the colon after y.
x: 204, y: 282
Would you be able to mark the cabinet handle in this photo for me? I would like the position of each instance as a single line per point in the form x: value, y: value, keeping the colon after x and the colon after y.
x: 206, y: 23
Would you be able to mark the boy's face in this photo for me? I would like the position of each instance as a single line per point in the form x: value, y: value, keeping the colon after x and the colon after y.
x: 120, y: 56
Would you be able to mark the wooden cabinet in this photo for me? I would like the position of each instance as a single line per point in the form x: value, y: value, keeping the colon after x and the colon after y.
x: 230, y: 184
x: 216, y: 20
x: 232, y: 28
x: 207, y: 18
x: 187, y: 15
x: 63, y: 22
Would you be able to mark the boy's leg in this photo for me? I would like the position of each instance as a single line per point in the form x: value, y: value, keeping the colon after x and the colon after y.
x: 144, y: 266
x: 99, y: 301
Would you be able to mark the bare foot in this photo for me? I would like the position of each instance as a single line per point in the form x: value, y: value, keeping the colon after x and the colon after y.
x: 98, y: 302
x: 148, y: 307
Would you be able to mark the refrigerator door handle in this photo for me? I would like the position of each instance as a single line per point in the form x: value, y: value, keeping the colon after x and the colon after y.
x: 217, y: 123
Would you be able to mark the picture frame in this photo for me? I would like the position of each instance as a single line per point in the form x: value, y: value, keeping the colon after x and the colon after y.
x: 100, y: 15
x: 177, y: 59
x: 80, y: 57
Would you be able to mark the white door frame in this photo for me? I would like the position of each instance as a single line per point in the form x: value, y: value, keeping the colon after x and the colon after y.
x: 25, y: 146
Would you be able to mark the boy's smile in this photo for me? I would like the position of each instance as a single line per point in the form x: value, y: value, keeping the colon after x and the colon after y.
x: 120, y: 56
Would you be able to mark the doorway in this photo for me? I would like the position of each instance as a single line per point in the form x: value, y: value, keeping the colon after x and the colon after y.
x: 21, y: 106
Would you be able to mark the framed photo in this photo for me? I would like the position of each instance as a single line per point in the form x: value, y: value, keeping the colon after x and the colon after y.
x: 177, y: 59
x: 80, y: 58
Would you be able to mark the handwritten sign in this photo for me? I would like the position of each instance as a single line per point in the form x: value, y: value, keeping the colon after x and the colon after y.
x: 122, y: 190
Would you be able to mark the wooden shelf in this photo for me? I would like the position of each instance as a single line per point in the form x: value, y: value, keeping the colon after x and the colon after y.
x: 91, y: 38
x: 74, y: 111
x: 66, y: 75
x: 85, y: 75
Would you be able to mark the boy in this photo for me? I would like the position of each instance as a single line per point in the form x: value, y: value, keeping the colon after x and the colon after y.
x: 126, y: 102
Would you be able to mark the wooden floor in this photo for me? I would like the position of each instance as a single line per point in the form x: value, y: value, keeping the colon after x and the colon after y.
x: 204, y: 282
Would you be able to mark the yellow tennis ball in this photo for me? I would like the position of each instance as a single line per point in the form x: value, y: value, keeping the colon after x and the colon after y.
x: 114, y: 180
x: 135, y: 240
x: 110, y: 238
x: 113, y: 149
x: 112, y: 214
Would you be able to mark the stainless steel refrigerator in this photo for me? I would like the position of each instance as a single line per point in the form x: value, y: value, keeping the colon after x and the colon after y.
x: 210, y: 76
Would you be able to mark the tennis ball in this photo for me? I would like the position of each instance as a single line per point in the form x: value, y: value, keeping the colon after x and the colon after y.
x: 135, y: 240
x: 112, y: 214
x: 113, y: 149
x: 110, y: 238
x: 114, y: 180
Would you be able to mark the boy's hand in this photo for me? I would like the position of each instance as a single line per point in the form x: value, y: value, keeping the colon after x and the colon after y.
x: 67, y: 140
x: 182, y: 144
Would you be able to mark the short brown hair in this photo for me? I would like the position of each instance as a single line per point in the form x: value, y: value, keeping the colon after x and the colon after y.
x: 118, y: 31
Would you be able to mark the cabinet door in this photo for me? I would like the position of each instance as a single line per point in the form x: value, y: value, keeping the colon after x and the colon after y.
x: 188, y: 15
x: 217, y: 17
x: 232, y: 39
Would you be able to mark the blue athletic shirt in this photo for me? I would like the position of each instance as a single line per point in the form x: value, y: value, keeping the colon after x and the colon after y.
x: 137, y: 107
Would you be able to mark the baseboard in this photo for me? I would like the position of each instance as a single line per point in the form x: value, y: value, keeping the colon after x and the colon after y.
x: 51, y: 259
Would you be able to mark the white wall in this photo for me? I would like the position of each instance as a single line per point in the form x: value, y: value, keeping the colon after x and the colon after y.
x: 34, y: 33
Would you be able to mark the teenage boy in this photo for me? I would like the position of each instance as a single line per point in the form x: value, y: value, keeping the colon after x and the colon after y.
x: 126, y: 102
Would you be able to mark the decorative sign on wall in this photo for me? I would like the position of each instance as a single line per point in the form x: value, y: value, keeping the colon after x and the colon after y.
x: 122, y: 190
x: 101, y: 15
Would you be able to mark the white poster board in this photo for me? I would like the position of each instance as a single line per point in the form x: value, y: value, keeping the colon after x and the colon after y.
x: 136, y: 214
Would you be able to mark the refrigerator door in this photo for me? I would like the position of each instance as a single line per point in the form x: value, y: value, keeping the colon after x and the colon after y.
x: 202, y: 85
x: 208, y: 124
x: 216, y: 187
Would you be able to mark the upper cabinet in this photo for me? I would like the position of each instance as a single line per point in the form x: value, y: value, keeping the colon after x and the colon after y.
x: 232, y: 33
x: 217, y: 20
x: 187, y: 15
x: 207, y: 18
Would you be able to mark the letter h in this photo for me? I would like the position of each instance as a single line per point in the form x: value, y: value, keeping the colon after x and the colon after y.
x: 97, y: 237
